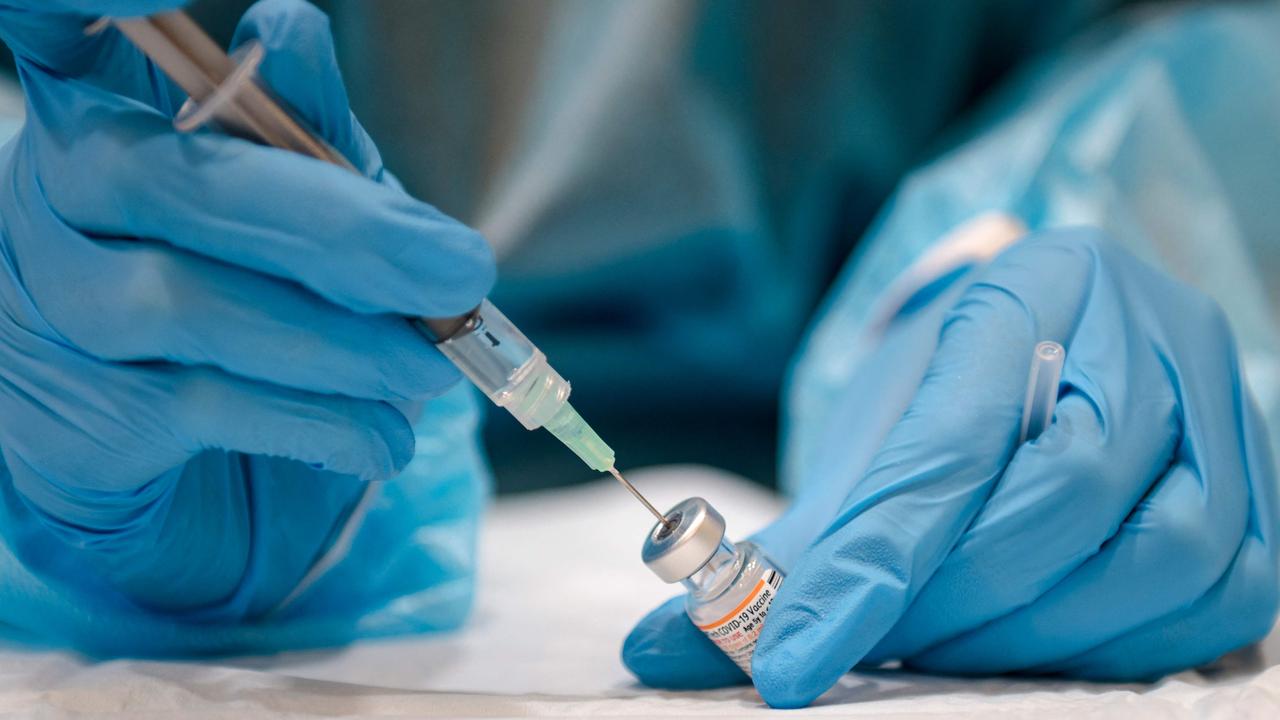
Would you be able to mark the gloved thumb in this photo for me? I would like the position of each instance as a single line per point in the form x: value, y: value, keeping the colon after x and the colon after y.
x: 665, y: 650
x: 301, y: 67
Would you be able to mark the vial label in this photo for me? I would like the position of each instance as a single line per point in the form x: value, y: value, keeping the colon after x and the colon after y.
x: 736, y: 633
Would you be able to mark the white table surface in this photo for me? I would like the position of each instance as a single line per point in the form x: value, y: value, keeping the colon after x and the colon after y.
x: 561, y: 586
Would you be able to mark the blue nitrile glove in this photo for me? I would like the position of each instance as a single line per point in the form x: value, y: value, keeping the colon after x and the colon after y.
x: 1135, y: 537
x: 193, y: 327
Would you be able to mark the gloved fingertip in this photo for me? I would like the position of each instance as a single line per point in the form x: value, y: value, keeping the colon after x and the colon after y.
x: 805, y: 646
x: 452, y: 262
x: 292, y: 26
x: 381, y: 447
x: 483, y: 273
x: 783, y: 679
x: 401, y: 441
x: 412, y: 383
x: 301, y: 66
x: 665, y: 650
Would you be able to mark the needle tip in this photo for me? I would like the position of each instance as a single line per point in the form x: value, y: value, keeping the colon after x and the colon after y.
x: 644, y: 501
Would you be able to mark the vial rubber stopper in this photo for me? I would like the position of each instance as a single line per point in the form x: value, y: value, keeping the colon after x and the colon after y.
x: 689, y: 538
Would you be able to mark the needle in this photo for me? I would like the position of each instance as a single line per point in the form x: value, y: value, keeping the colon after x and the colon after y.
x: 661, y: 518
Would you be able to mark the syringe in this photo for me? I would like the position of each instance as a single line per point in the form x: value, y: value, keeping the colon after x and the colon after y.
x: 483, y: 343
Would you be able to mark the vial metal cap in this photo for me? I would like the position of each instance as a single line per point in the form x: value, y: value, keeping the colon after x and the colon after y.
x: 675, y: 553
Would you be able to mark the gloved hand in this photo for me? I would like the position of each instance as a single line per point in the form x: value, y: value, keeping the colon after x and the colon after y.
x: 189, y: 319
x: 1135, y: 537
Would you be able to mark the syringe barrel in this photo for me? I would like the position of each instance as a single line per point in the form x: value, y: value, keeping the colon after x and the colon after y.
x: 504, y: 364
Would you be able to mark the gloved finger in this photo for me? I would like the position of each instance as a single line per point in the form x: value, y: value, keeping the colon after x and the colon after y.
x: 301, y: 67
x: 210, y: 409
x: 665, y: 650
x: 354, y: 242
x: 1061, y: 497
x: 870, y: 405
x: 1238, y: 610
x: 1165, y: 557
x: 50, y: 34
x: 140, y: 301
x: 93, y: 427
x: 928, y: 481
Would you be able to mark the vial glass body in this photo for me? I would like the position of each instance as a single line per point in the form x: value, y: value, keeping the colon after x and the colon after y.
x: 729, y: 598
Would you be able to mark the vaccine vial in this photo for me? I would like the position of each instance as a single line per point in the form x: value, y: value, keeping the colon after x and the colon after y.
x: 730, y: 585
